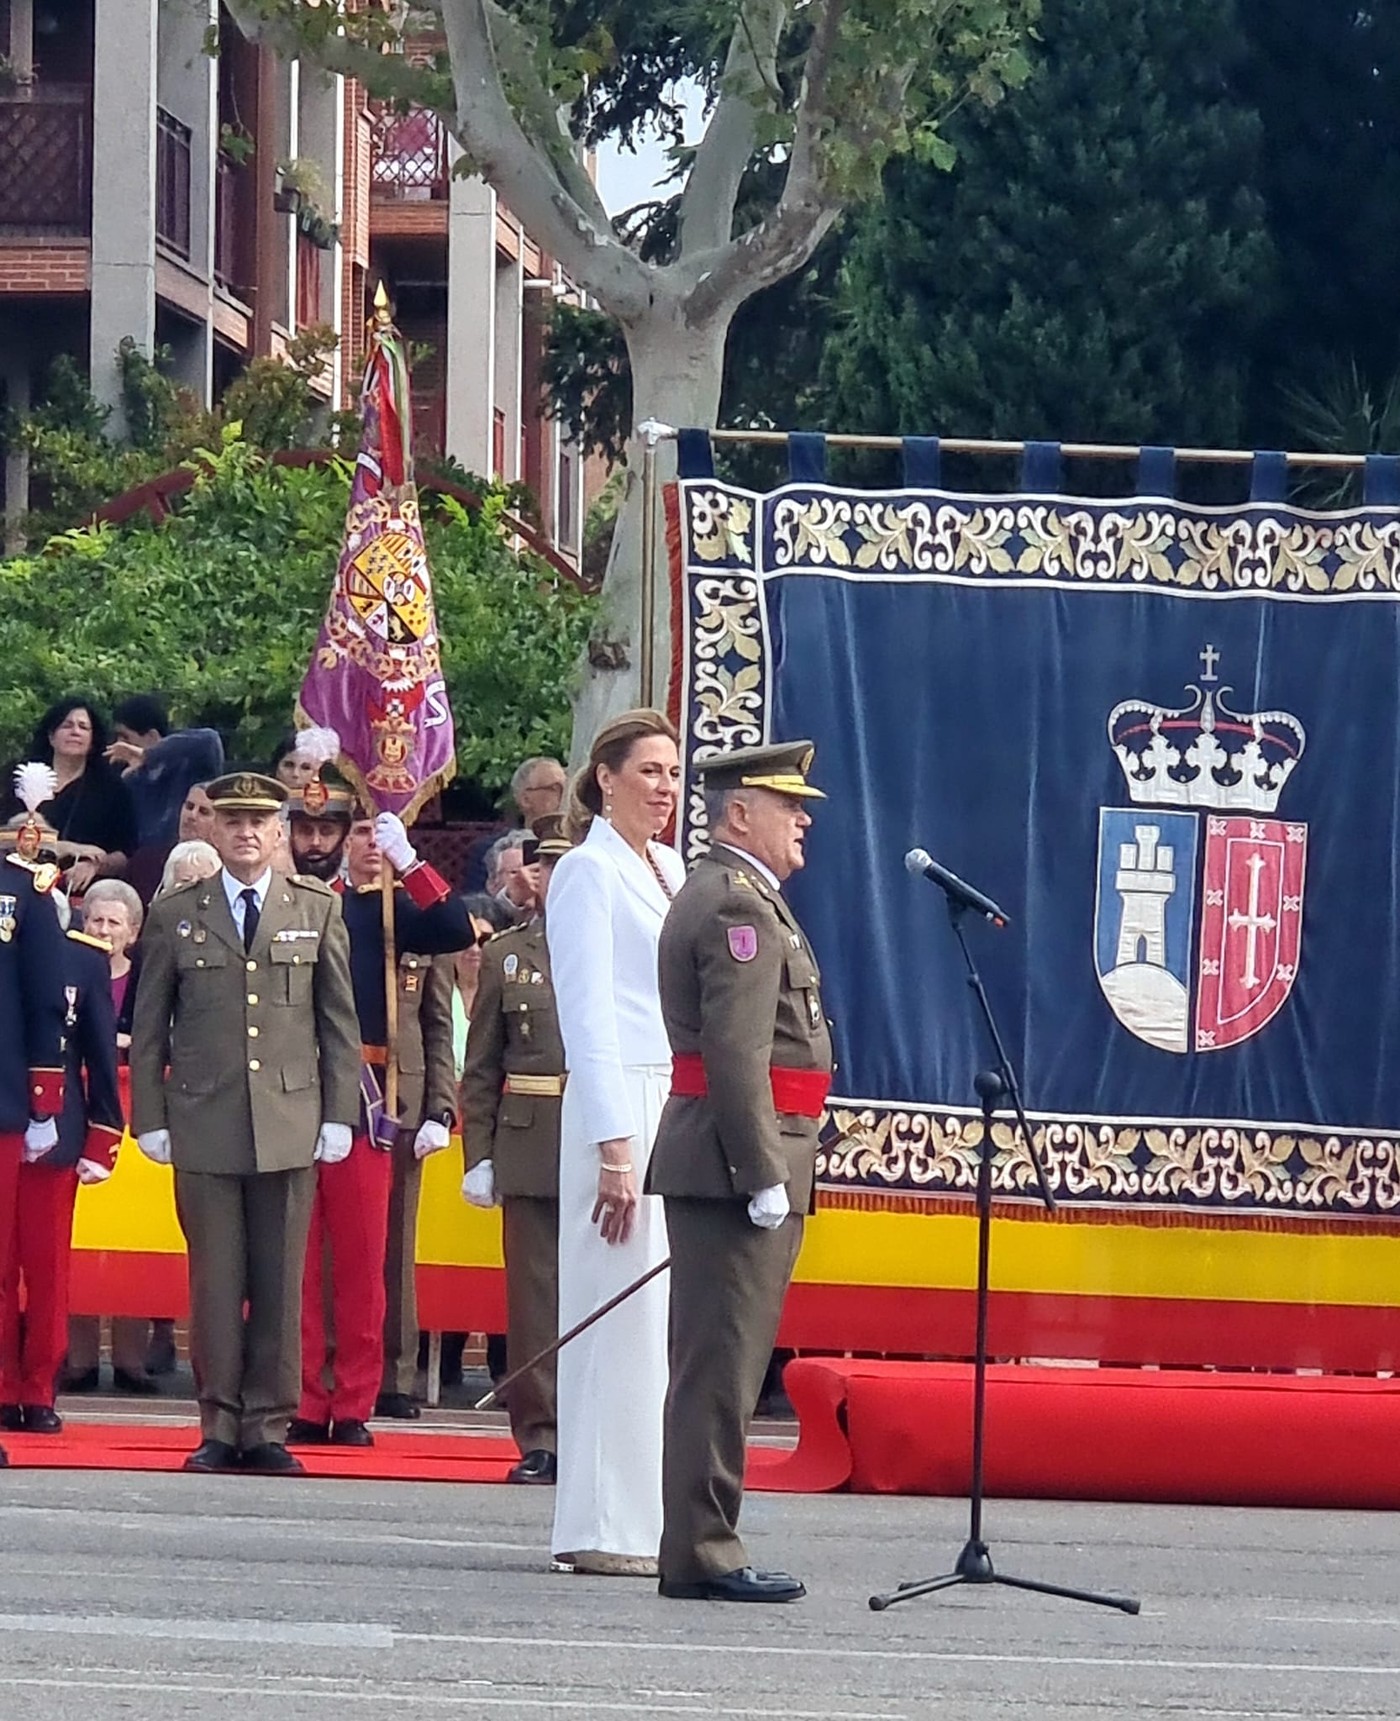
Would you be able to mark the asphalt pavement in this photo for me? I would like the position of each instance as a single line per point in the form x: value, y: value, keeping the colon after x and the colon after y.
x: 164, y: 1596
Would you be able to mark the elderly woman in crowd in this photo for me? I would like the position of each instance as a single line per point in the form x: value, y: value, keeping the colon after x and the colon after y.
x: 112, y: 912
x: 91, y: 810
x: 607, y: 900
x: 187, y: 863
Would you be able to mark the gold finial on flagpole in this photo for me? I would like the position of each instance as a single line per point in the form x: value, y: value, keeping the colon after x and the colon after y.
x: 382, y: 318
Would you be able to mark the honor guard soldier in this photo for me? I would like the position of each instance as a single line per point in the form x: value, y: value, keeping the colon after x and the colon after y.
x: 512, y: 1087
x: 33, y: 1007
x: 735, y: 1150
x: 89, y: 1134
x: 365, y: 1214
x: 245, y: 1063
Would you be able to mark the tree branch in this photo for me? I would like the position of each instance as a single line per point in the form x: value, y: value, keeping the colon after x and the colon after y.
x: 750, y: 81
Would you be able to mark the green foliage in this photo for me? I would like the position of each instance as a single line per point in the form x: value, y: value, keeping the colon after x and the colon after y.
x: 218, y: 606
x: 1098, y: 265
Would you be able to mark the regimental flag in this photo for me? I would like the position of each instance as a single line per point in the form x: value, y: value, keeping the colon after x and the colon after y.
x: 375, y: 676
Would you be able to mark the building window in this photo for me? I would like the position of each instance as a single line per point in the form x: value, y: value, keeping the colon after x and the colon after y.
x: 567, y: 524
x: 172, y: 183
x: 308, y: 282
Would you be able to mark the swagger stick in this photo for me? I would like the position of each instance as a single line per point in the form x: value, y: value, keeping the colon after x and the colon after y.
x: 573, y: 1332
x: 855, y: 1128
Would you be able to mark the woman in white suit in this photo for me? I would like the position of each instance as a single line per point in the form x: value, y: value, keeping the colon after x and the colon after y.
x: 607, y: 900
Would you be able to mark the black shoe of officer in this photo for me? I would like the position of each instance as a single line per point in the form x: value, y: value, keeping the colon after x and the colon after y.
x: 271, y: 1458
x: 397, y: 1405
x: 129, y: 1380
x: 303, y: 1432
x: 211, y: 1456
x: 351, y: 1432
x: 538, y: 1467
x: 41, y: 1419
x: 83, y: 1380
x: 11, y: 1418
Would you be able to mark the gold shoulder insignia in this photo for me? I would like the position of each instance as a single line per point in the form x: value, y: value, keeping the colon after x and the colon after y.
x: 44, y: 873
x: 308, y: 883
x: 741, y: 878
x: 87, y: 938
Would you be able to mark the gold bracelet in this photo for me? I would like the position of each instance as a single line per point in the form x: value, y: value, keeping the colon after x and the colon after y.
x: 620, y: 1168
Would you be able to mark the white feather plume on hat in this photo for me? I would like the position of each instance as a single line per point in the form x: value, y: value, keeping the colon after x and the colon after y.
x: 35, y: 783
x: 318, y: 744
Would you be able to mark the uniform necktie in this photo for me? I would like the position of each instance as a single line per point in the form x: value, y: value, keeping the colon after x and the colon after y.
x: 249, y: 899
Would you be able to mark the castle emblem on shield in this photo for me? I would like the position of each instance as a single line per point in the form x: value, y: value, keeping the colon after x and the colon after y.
x: 1204, y: 783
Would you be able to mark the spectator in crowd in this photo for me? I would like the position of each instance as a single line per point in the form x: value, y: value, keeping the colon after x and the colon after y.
x: 159, y: 768
x: 536, y: 790
x: 91, y: 809
x: 507, y: 877
x: 89, y: 1133
x: 607, y: 901
x: 112, y: 914
x: 294, y: 770
x: 187, y: 863
x: 196, y: 816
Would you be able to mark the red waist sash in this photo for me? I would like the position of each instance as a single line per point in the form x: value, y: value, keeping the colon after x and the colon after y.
x: 797, y: 1093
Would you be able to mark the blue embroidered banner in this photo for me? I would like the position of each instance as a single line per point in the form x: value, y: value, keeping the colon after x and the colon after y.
x: 1164, y: 738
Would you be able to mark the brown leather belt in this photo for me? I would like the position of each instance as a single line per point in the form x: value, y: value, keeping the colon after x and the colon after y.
x: 537, y: 1087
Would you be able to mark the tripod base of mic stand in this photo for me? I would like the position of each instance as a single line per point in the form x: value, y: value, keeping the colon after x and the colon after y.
x: 975, y: 1567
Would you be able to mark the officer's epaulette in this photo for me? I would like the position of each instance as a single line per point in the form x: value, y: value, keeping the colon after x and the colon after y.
x: 180, y: 889
x: 44, y: 873
x: 88, y: 938
x: 305, y: 878
x: 742, y: 880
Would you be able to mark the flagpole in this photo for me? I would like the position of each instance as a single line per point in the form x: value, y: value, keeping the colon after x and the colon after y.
x: 391, y: 994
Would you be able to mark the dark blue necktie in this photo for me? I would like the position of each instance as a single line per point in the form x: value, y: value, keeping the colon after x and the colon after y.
x: 250, y: 916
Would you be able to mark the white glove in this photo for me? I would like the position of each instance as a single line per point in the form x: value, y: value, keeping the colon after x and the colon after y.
x: 770, y: 1207
x: 479, y: 1185
x: 91, y: 1171
x: 334, y: 1143
x: 155, y: 1144
x: 40, y: 1137
x: 391, y: 839
x: 432, y: 1137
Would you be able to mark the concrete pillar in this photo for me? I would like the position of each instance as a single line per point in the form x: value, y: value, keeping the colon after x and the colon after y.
x: 471, y: 323
x: 123, y: 191
x: 187, y: 87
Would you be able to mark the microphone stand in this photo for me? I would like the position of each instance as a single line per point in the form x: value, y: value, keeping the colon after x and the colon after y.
x: 994, y: 1088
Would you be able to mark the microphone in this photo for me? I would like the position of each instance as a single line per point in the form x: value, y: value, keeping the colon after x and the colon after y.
x: 920, y: 863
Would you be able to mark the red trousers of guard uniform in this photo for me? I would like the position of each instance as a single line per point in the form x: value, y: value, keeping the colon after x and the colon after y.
x: 342, y: 1361
x: 41, y: 1238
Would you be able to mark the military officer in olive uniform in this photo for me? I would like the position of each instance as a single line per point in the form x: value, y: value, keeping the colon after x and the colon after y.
x: 735, y: 1150
x: 245, y: 995
x: 512, y: 1084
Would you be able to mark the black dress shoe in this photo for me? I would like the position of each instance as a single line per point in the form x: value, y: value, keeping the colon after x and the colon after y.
x: 537, y: 1467
x: 41, y: 1419
x: 744, y: 1585
x: 212, y: 1455
x: 301, y: 1431
x: 11, y: 1418
x: 351, y: 1432
x: 4, y: 1458
x: 271, y: 1458
x: 83, y: 1380
x: 398, y: 1405
x: 127, y: 1380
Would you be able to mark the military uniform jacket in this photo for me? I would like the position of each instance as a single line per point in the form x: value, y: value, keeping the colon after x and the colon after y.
x: 427, y: 1076
x: 262, y: 1047
x: 514, y: 1032
x: 90, y: 1125
x: 740, y: 987
x: 32, y: 1002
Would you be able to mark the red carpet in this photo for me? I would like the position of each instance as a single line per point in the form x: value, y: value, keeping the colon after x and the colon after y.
x: 419, y: 1457
x: 1103, y: 1434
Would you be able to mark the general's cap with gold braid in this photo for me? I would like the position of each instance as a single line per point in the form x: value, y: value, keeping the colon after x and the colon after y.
x: 247, y: 791
x: 782, y: 766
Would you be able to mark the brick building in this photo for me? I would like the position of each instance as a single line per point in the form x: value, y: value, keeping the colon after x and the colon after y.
x: 215, y: 204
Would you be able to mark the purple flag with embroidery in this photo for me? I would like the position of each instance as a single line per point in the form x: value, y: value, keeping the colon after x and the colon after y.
x: 375, y: 676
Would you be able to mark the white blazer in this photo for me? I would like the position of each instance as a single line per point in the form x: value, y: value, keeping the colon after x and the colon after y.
x: 602, y: 926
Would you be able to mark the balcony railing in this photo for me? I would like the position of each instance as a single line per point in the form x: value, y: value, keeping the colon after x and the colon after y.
x: 408, y: 156
x: 172, y: 183
x: 46, y: 151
